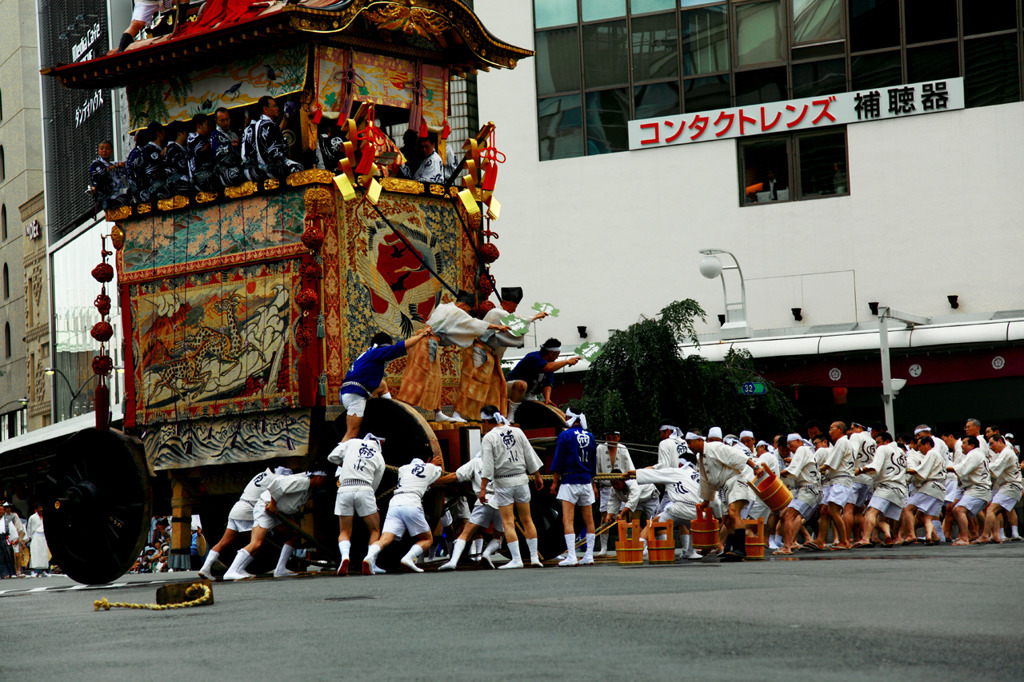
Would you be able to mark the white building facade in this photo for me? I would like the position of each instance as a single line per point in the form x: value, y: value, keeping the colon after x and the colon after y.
x: 904, y: 212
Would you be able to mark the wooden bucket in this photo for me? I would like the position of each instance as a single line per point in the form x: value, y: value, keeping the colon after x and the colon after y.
x: 704, y: 529
x: 660, y: 551
x: 755, y: 544
x: 772, y: 491
x: 629, y: 551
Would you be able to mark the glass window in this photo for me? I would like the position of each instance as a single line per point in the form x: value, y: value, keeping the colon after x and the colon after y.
x: 553, y: 12
x: 932, y: 62
x: 819, y: 78
x: 822, y: 162
x: 655, y: 47
x: 763, y: 85
x: 7, y: 339
x: 989, y: 16
x: 3, y: 222
x: 991, y: 70
x: 691, y: 3
x: 560, y: 123
x: 758, y: 33
x: 874, y: 24
x: 705, y: 34
x: 603, y: 9
x: 658, y: 99
x: 607, y: 113
x: 929, y: 20
x: 605, y: 59
x: 7, y: 283
x: 558, y: 61
x: 641, y: 6
x: 815, y: 21
x: 765, y: 171
x: 875, y: 70
x: 706, y: 94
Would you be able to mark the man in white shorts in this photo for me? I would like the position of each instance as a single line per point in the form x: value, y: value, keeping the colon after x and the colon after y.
x: 365, y: 379
x: 574, y: 465
x: 1006, y: 486
x: 610, y: 456
x: 727, y: 469
x: 506, y: 460
x: 929, y: 476
x: 888, y: 467
x: 972, y: 472
x: 360, y: 469
x: 803, y: 471
x: 240, y: 516
x: 142, y: 14
x: 484, y: 515
x: 405, y: 514
x: 837, y: 501
x: 767, y: 461
x: 285, y: 495
x: 629, y: 498
x: 682, y: 491
x: 862, y: 445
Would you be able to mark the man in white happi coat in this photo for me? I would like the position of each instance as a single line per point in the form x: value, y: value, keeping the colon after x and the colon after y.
x: 975, y: 480
x: 284, y: 495
x: 928, y: 473
x: 803, y: 471
x: 1006, y: 489
x: 862, y: 445
x: 837, y: 495
x: 671, y: 448
x: 405, y: 514
x: 36, y: 537
x: 451, y: 325
x: 240, y: 516
x: 506, y: 461
x: 485, y: 513
x: 727, y: 469
x: 610, y: 456
x: 888, y: 468
x: 682, y: 494
x: 360, y: 469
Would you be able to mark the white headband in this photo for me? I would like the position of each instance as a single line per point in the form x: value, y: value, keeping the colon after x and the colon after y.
x: 496, y: 417
x: 283, y: 471
x: 921, y: 428
x: 794, y: 436
x: 690, y: 435
x: 318, y: 472
x: 676, y: 431
x: 714, y: 432
x: 746, y: 434
x: 572, y: 418
x: 370, y: 436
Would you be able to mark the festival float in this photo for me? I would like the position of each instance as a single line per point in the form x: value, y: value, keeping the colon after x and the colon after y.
x: 244, y: 308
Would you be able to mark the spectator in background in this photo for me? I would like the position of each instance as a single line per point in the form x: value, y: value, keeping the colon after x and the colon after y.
x: 40, y: 553
x: 107, y: 179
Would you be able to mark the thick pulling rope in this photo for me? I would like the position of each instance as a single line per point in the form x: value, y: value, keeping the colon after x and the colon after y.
x: 202, y: 590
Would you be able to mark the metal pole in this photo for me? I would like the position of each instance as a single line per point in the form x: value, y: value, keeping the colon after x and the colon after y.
x: 883, y: 345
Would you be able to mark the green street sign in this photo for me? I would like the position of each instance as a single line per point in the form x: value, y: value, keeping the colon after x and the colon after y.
x: 517, y: 325
x: 752, y: 388
x: 546, y: 308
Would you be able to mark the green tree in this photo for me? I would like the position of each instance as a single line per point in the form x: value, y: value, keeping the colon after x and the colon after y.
x: 642, y: 379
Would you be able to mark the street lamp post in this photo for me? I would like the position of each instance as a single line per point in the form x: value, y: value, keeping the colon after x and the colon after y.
x: 50, y: 371
x: 891, y: 387
x: 23, y: 401
x: 735, y: 326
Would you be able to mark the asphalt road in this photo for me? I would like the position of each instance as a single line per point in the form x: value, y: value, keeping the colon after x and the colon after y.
x: 923, y: 613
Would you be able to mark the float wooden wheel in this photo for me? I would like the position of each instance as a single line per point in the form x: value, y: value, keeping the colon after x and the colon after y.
x: 98, y: 505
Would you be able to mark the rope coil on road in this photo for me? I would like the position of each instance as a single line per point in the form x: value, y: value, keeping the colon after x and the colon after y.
x: 190, y: 592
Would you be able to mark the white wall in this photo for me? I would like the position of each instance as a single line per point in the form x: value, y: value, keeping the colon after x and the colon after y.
x: 936, y: 206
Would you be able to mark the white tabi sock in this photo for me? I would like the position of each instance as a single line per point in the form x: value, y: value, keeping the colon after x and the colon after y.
x: 492, y: 547
x: 937, y: 525
x: 282, y: 560
x: 1013, y: 532
x: 590, y: 546
x: 409, y: 559
x: 517, y: 558
x: 386, y: 396
x: 208, y: 564
x: 460, y: 546
x: 371, y: 555
x: 242, y: 559
x: 478, y: 546
x: 603, y: 537
x: 531, y: 544
x: 1002, y: 534
x: 512, y: 410
x: 570, y: 545
x: 345, y: 547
